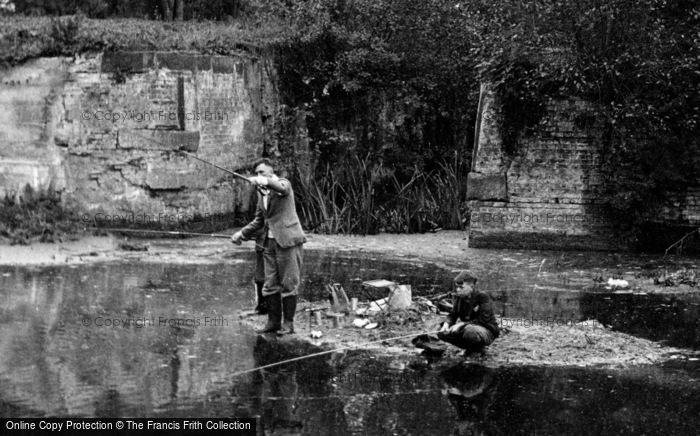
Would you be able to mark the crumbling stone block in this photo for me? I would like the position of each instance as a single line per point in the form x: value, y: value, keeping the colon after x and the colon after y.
x: 486, y: 186
x: 147, y: 139
x: 127, y: 61
x: 179, y: 61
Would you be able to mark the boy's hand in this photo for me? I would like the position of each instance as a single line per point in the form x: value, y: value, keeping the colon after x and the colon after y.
x: 455, y: 328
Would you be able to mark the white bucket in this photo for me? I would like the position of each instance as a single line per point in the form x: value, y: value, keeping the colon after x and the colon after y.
x: 400, y: 297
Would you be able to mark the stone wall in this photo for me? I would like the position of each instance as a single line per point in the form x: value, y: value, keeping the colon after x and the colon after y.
x: 543, y: 196
x: 103, y: 128
x: 27, y: 152
x: 547, y: 194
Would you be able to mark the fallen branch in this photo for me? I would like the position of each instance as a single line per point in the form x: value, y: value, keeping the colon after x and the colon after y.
x: 534, y: 285
x: 679, y: 242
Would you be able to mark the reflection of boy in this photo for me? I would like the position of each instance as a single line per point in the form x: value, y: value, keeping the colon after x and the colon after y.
x: 470, y: 390
x: 471, y: 324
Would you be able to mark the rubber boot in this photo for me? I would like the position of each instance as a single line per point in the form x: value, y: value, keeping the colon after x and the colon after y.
x: 274, y: 314
x: 261, y: 308
x: 289, y: 308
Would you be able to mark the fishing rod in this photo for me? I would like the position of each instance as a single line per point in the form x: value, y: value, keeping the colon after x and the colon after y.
x: 179, y: 150
x: 235, y: 174
x: 321, y: 353
x: 164, y: 232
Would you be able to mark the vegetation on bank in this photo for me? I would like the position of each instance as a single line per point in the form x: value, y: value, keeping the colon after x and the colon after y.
x: 398, y: 81
x: 388, y: 91
x: 37, y: 217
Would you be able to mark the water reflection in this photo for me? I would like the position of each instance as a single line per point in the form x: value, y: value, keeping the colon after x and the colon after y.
x: 350, y: 269
x: 471, y: 392
x: 673, y: 319
x: 98, y: 341
x: 138, y: 339
x: 143, y: 339
x: 366, y: 395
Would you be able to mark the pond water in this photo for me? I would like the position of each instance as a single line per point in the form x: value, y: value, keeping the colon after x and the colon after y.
x: 150, y: 339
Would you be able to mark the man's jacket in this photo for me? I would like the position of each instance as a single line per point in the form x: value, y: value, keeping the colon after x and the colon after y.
x: 280, y: 216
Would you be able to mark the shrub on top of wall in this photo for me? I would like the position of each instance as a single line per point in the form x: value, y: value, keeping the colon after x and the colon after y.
x: 23, y: 38
x: 636, y: 61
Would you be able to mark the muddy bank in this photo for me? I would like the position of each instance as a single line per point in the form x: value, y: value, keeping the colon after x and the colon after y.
x: 83, y: 250
x: 434, y: 246
x: 586, y: 343
x: 530, y: 270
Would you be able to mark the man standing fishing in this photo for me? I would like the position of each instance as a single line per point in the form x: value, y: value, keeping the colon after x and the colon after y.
x: 283, y: 239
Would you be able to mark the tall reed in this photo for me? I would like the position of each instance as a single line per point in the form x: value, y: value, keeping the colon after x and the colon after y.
x: 364, y: 197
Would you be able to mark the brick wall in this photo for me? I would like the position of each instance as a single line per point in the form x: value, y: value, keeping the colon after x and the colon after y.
x: 543, y: 196
x: 547, y: 195
x: 103, y: 127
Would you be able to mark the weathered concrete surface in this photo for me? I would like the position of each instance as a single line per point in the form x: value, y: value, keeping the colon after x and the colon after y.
x: 105, y: 130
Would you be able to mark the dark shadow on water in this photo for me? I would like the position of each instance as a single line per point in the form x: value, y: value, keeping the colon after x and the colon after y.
x: 571, y: 401
x: 671, y: 319
x: 351, y: 269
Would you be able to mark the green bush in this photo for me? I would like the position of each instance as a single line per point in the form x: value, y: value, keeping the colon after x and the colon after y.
x: 36, y: 216
x: 391, y: 81
x: 23, y: 38
x: 397, y: 80
x: 637, y: 61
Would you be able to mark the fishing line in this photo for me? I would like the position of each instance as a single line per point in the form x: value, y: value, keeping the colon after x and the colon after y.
x: 321, y: 353
x: 166, y: 232
x: 373, y: 394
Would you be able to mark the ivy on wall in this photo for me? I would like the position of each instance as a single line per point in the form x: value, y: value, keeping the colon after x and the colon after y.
x: 390, y: 86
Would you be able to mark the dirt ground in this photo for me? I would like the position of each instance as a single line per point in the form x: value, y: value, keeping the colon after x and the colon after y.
x: 586, y: 344
x: 449, y: 249
x: 434, y: 246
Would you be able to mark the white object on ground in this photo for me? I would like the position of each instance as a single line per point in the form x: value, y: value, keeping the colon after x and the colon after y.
x: 400, y: 297
x: 316, y: 334
x: 372, y: 325
x: 615, y: 283
x: 360, y: 322
x: 381, y: 283
x: 378, y: 305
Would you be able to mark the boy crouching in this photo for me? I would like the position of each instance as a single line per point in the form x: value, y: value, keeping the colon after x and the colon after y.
x: 471, y: 324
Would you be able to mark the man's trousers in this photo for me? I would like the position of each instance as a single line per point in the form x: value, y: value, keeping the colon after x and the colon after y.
x: 282, y: 268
